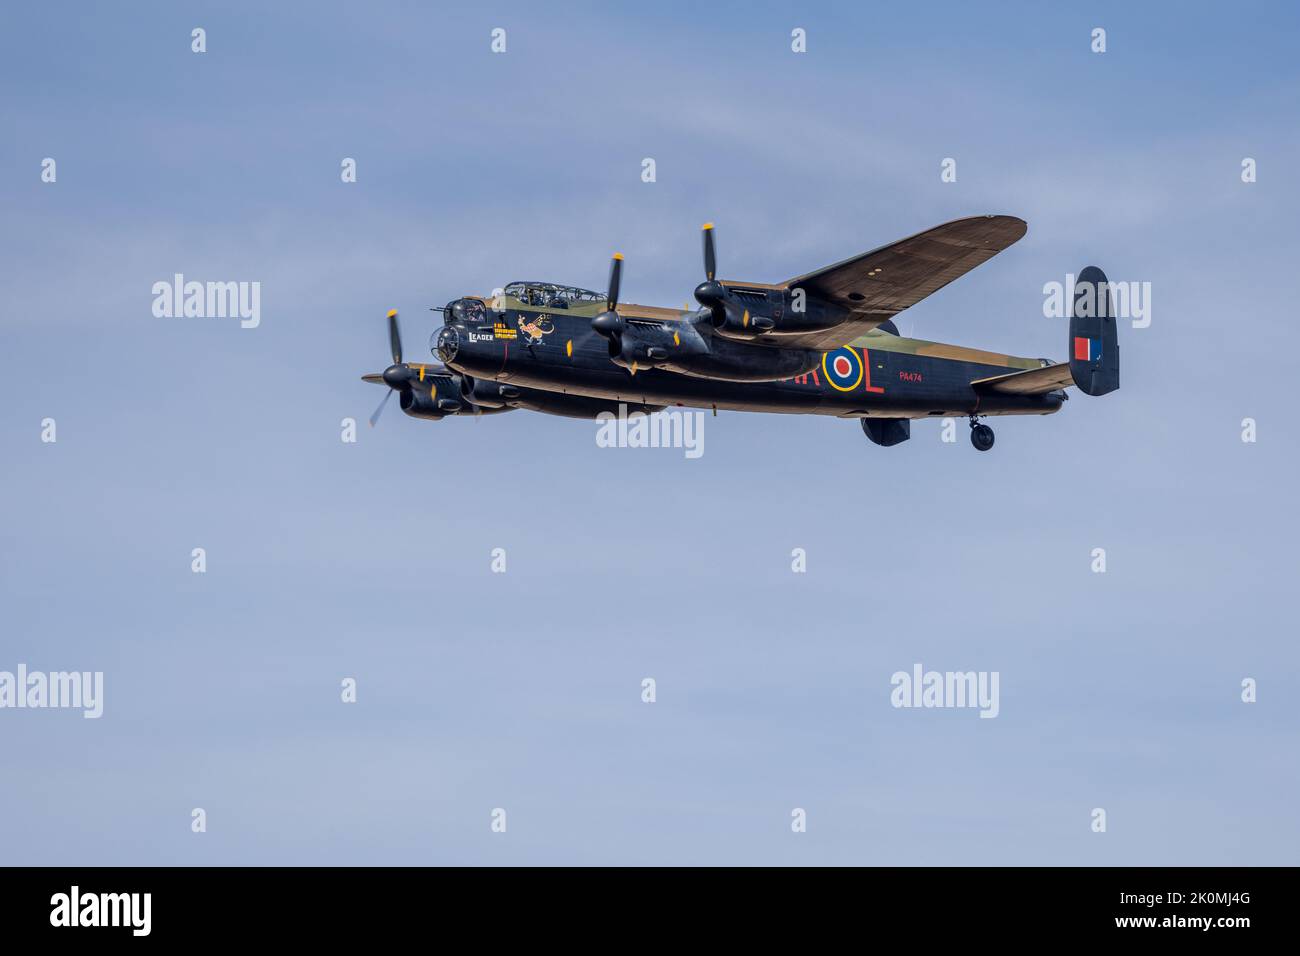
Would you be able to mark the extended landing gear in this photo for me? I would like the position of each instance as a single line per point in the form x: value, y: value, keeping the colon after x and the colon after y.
x: 981, y: 436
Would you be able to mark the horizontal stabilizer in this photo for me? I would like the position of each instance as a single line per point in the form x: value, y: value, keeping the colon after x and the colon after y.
x: 1094, y: 348
x: 1032, y: 381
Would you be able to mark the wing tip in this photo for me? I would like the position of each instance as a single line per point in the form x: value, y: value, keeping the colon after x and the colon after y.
x: 1014, y: 223
x: 1005, y: 225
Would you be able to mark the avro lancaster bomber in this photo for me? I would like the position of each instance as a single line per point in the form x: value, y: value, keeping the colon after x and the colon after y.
x: 823, y: 343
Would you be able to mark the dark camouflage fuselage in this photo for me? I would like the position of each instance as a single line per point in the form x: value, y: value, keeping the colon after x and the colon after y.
x: 878, y: 375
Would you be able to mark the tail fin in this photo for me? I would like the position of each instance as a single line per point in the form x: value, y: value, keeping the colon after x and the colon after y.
x: 1094, y: 341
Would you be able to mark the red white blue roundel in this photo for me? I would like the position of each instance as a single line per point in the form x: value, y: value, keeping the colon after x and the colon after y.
x: 843, y: 369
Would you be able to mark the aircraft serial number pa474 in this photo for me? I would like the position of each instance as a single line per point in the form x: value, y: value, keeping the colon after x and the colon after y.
x: 823, y: 343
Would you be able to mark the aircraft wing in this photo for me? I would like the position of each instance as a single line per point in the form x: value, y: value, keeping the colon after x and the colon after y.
x: 1032, y: 381
x: 878, y: 285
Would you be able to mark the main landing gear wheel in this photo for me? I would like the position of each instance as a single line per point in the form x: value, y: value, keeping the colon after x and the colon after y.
x: 981, y: 436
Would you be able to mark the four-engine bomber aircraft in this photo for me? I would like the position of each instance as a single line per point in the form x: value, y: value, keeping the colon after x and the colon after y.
x: 823, y: 343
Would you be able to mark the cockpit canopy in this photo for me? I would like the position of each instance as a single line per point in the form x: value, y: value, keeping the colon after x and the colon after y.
x: 549, y: 295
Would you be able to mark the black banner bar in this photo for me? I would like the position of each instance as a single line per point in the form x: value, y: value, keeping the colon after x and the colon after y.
x: 206, y: 905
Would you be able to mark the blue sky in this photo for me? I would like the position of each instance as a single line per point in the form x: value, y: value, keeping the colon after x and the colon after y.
x: 522, y: 690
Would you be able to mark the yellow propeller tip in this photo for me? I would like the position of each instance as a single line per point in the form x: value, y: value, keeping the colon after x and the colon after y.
x: 392, y: 312
x: 708, y: 225
x: 618, y: 256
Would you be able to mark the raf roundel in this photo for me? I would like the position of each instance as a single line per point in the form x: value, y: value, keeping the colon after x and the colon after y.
x: 843, y: 369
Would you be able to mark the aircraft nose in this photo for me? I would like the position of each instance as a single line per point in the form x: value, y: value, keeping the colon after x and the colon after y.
x: 446, y: 342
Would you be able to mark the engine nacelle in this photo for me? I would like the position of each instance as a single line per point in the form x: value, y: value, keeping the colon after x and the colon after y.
x: 645, y: 343
x: 419, y: 403
x: 732, y: 361
x: 693, y: 347
x: 485, y: 393
x: 435, y: 397
x: 746, y: 313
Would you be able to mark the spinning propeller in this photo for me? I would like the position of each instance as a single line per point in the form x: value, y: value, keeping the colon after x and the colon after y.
x: 711, y: 293
x: 609, y: 323
x: 641, y: 342
x: 398, y: 376
x: 723, y: 310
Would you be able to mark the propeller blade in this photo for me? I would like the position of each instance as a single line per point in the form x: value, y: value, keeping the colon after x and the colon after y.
x: 380, y: 410
x: 615, y: 275
x: 609, y: 323
x: 394, y: 337
x: 710, y: 258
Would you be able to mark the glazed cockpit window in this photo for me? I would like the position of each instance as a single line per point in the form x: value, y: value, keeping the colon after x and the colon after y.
x: 549, y: 295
